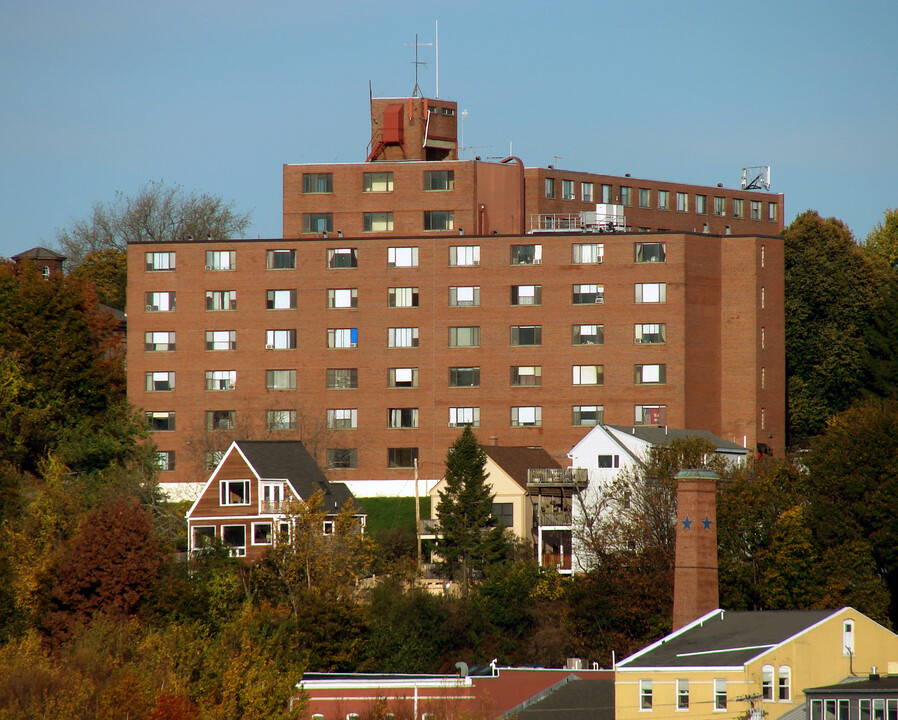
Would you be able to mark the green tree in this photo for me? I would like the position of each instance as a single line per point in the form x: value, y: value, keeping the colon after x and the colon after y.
x: 833, y: 295
x: 882, y: 242
x: 159, y: 212
x: 469, y: 537
x: 107, y: 270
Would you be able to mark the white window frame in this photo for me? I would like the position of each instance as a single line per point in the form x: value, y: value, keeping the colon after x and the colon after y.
x: 275, y: 258
x: 650, y: 293
x: 335, y: 258
x: 578, y: 412
x: 160, y: 261
x: 159, y: 377
x: 342, y: 337
x: 402, y: 337
x: 587, y: 192
x: 217, y: 340
x: 587, y: 253
x: 221, y: 300
x: 220, y: 259
x: 159, y: 341
x: 252, y: 532
x: 462, y: 416
x: 720, y: 694
x: 526, y: 416
x: 526, y: 294
x: 640, y: 412
x: 224, y: 492
x: 585, y: 289
x: 402, y: 377
x: 280, y: 299
x: 280, y: 339
x: 643, y: 330
x: 645, y: 695
x: 591, y: 331
x: 405, y: 418
x: 221, y: 380
x: 464, y: 255
x: 163, y: 301
x: 342, y: 418
x: 650, y: 374
x: 459, y: 334
x: 280, y: 379
x: 402, y: 297
x: 588, y: 375
x: 464, y: 296
x: 235, y: 550
x: 402, y: 257
x: 342, y: 298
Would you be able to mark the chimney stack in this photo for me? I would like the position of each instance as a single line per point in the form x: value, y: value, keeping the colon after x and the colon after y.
x: 695, y: 564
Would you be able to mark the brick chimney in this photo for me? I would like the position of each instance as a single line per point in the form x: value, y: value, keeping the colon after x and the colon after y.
x: 695, y: 564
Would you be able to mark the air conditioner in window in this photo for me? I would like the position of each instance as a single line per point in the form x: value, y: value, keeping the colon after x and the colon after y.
x: 600, y: 300
x: 210, y: 267
x: 569, y: 196
x: 600, y: 259
x: 269, y: 347
x: 152, y: 308
x: 231, y: 386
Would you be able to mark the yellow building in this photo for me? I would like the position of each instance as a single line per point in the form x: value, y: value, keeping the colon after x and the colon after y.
x: 728, y: 664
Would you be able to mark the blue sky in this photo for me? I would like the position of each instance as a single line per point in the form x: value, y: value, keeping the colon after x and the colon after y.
x: 101, y: 96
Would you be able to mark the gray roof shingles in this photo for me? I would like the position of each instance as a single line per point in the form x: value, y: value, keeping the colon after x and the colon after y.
x: 662, y: 436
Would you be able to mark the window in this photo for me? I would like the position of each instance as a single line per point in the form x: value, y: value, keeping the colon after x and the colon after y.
x: 461, y: 416
x: 159, y: 341
x: 650, y: 415
x: 526, y: 295
x: 650, y: 293
x: 587, y: 192
x: 587, y: 415
x: 664, y: 200
x: 763, y: 255
x: 567, y: 190
x: 377, y: 221
x: 650, y: 252
x: 439, y: 220
x: 280, y: 379
x: 503, y: 514
x: 550, y: 187
x: 338, y: 258
x: 158, y: 261
x: 738, y: 208
x: 784, y: 684
x: 587, y: 334
x: 262, y: 534
x: 402, y: 297
x: 342, y: 458
x: 588, y: 294
x: 221, y: 339
x: 439, y: 180
x: 165, y: 460
x: 464, y: 336
x: 528, y: 416
x: 701, y: 204
x: 221, y: 420
x: 221, y: 379
x: 234, y: 492
x: 767, y: 682
x: 221, y: 299
x: 234, y: 536
x: 526, y: 375
x: 160, y: 301
x: 645, y: 694
x: 402, y: 377
x: 272, y: 495
x: 650, y: 333
x: 402, y: 337
x: 682, y: 202
x: 650, y: 374
x: 645, y: 198
x: 402, y: 257
x: 160, y: 381
x: 281, y: 300
x: 755, y: 209
x: 317, y: 182
x: 203, y: 535
x: 317, y: 222
x: 763, y: 339
x: 464, y: 255
x: 464, y: 296
x: 763, y: 378
x: 587, y: 253
x: 464, y: 377
x: 588, y: 374
x: 342, y: 378
x: 527, y: 335
x: 763, y: 298
x: 626, y: 195
x: 280, y: 419
x: 864, y: 710
x: 160, y: 421
x: 402, y: 417
x: 342, y: 337
x: 682, y: 693
x: 608, y: 462
x: 771, y: 212
x: 720, y: 206
x: 280, y: 259
x: 280, y: 339
x: 720, y: 694
x: 607, y: 194
x: 377, y: 182
x: 211, y: 460
x: 526, y: 254
x: 342, y: 418
x: 342, y: 298
x: 848, y: 638
x: 220, y: 259
x: 402, y: 457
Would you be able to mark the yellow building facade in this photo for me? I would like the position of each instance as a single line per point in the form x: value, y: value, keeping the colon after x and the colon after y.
x: 728, y: 664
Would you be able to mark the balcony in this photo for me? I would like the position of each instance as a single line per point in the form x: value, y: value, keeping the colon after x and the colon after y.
x: 577, y: 478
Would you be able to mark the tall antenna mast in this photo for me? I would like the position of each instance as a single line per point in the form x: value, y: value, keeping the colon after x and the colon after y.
x: 437, y: 40
x: 417, y: 91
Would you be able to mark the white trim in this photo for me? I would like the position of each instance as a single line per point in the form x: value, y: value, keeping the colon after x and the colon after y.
x: 667, y: 638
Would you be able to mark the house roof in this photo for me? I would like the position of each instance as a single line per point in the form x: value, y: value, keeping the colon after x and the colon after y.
x: 38, y: 253
x: 289, y: 460
x: 663, y: 435
x: 886, y: 683
x: 517, y: 460
x: 725, y: 639
x: 573, y: 699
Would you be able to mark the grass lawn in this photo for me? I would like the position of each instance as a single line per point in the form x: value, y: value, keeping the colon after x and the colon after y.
x: 387, y: 512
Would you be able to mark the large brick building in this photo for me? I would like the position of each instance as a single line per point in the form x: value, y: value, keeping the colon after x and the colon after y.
x: 414, y: 293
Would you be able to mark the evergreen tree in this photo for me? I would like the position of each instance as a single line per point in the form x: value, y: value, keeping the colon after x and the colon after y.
x: 469, y: 536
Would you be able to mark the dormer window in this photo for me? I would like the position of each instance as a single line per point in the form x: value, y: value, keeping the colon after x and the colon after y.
x: 848, y: 637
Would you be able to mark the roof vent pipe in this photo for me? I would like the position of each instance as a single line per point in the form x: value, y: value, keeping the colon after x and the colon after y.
x: 462, y: 669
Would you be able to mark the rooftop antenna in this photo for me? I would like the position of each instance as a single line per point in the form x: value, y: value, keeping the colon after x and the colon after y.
x: 755, y: 178
x: 464, y: 115
x: 437, y: 48
x: 417, y: 91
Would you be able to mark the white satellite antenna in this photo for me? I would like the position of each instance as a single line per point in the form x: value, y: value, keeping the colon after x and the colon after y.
x: 755, y: 178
